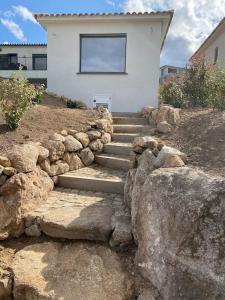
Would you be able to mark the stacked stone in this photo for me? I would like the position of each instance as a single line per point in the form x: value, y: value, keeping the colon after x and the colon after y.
x: 162, y: 156
x: 165, y: 118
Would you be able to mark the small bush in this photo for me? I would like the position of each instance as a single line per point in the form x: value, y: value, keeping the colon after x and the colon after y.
x: 170, y: 92
x: 75, y: 104
x: 196, y: 88
x: 16, y: 97
x: 217, y: 90
x: 39, y: 94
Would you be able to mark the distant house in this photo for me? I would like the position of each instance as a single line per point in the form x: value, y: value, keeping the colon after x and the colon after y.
x: 168, y: 71
x: 32, y: 58
x: 106, y: 59
x: 213, y: 48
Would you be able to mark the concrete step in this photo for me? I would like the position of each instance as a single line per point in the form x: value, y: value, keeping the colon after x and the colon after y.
x: 112, y: 161
x: 123, y: 149
x: 124, y: 137
x: 126, y: 114
x: 130, y: 128
x: 130, y: 120
x: 77, y: 215
x: 94, y: 178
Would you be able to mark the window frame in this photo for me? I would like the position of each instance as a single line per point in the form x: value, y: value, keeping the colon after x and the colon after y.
x: 216, y: 54
x: 110, y: 35
x: 33, y: 61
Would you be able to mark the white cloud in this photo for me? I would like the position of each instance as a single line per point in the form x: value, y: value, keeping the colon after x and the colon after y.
x: 112, y: 3
x: 14, y: 29
x: 24, y: 13
x: 193, y: 21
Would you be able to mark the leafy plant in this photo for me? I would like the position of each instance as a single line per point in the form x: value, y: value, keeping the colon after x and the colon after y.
x: 75, y: 104
x: 39, y: 94
x: 170, y: 92
x: 217, y: 90
x: 16, y: 97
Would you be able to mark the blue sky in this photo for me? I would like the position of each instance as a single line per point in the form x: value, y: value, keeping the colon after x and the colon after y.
x: 192, y: 23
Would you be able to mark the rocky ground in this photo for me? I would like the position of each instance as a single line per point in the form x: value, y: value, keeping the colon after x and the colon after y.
x: 42, y: 120
x: 201, y: 135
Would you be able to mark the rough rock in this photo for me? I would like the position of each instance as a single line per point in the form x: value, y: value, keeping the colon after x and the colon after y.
x: 146, y: 295
x: 145, y: 142
x: 1, y: 170
x: 57, y: 137
x: 71, y: 271
x: 106, y: 138
x: 43, y: 154
x: 64, y: 133
x: 72, y: 144
x: 147, y: 110
x: 169, y: 114
x: 4, y: 161
x: 3, y: 179
x: 33, y: 230
x: 180, y: 232
x: 94, y: 134
x: 105, y: 125
x: 105, y: 114
x: 73, y: 160
x: 164, y: 127
x: 56, y: 149
x: 87, y: 156
x: 173, y: 161
x: 96, y: 145
x: 122, y: 233
x: 56, y: 168
x: 83, y: 138
x: 9, y: 171
x: 165, y: 152
x: 19, y: 194
x: 24, y: 157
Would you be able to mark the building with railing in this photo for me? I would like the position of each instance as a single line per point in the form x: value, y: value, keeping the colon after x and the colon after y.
x: 31, y: 59
x: 169, y: 71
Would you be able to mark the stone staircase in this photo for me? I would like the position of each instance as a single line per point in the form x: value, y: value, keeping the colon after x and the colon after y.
x: 88, y: 203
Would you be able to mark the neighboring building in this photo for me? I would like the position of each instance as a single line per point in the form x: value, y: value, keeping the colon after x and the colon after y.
x: 109, y: 59
x: 31, y: 57
x: 168, y: 71
x: 213, y: 48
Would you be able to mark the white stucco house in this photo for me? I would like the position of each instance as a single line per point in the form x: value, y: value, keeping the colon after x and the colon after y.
x: 31, y: 57
x: 213, y: 48
x: 109, y: 59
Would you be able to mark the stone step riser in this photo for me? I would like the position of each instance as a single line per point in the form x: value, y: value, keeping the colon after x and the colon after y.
x: 130, y: 129
x: 118, y: 150
x: 124, y: 138
x: 130, y: 121
x: 91, y: 184
x: 113, y: 163
x: 126, y: 114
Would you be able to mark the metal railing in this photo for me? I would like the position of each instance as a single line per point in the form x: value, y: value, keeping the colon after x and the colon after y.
x: 35, y: 63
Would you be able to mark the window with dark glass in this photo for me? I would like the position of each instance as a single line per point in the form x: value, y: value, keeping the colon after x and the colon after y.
x: 39, y: 61
x: 103, y: 53
x: 8, y: 61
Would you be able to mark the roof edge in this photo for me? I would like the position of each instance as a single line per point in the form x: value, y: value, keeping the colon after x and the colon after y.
x: 221, y: 23
x: 24, y: 44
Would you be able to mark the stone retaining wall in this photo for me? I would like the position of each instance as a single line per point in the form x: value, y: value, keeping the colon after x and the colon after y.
x: 29, y: 171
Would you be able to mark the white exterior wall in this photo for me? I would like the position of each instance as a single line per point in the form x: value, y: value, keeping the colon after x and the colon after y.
x: 129, y: 92
x: 209, y: 52
x: 24, y: 54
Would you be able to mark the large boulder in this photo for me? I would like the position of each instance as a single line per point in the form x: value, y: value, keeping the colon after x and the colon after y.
x: 71, y: 271
x: 57, y: 137
x: 72, y: 144
x: 96, y: 146
x: 56, y: 168
x: 24, y: 157
x: 73, y: 160
x: 94, y: 134
x: 180, y: 232
x: 167, y: 152
x: 18, y: 195
x: 56, y: 149
x: 106, y: 138
x: 87, y: 156
x: 4, y: 161
x: 83, y: 138
x: 104, y: 124
x: 169, y: 114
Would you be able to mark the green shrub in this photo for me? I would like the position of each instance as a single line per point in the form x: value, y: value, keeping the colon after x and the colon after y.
x: 16, y: 96
x: 170, y: 92
x: 39, y: 94
x: 75, y: 104
x: 217, y: 90
x: 196, y: 88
